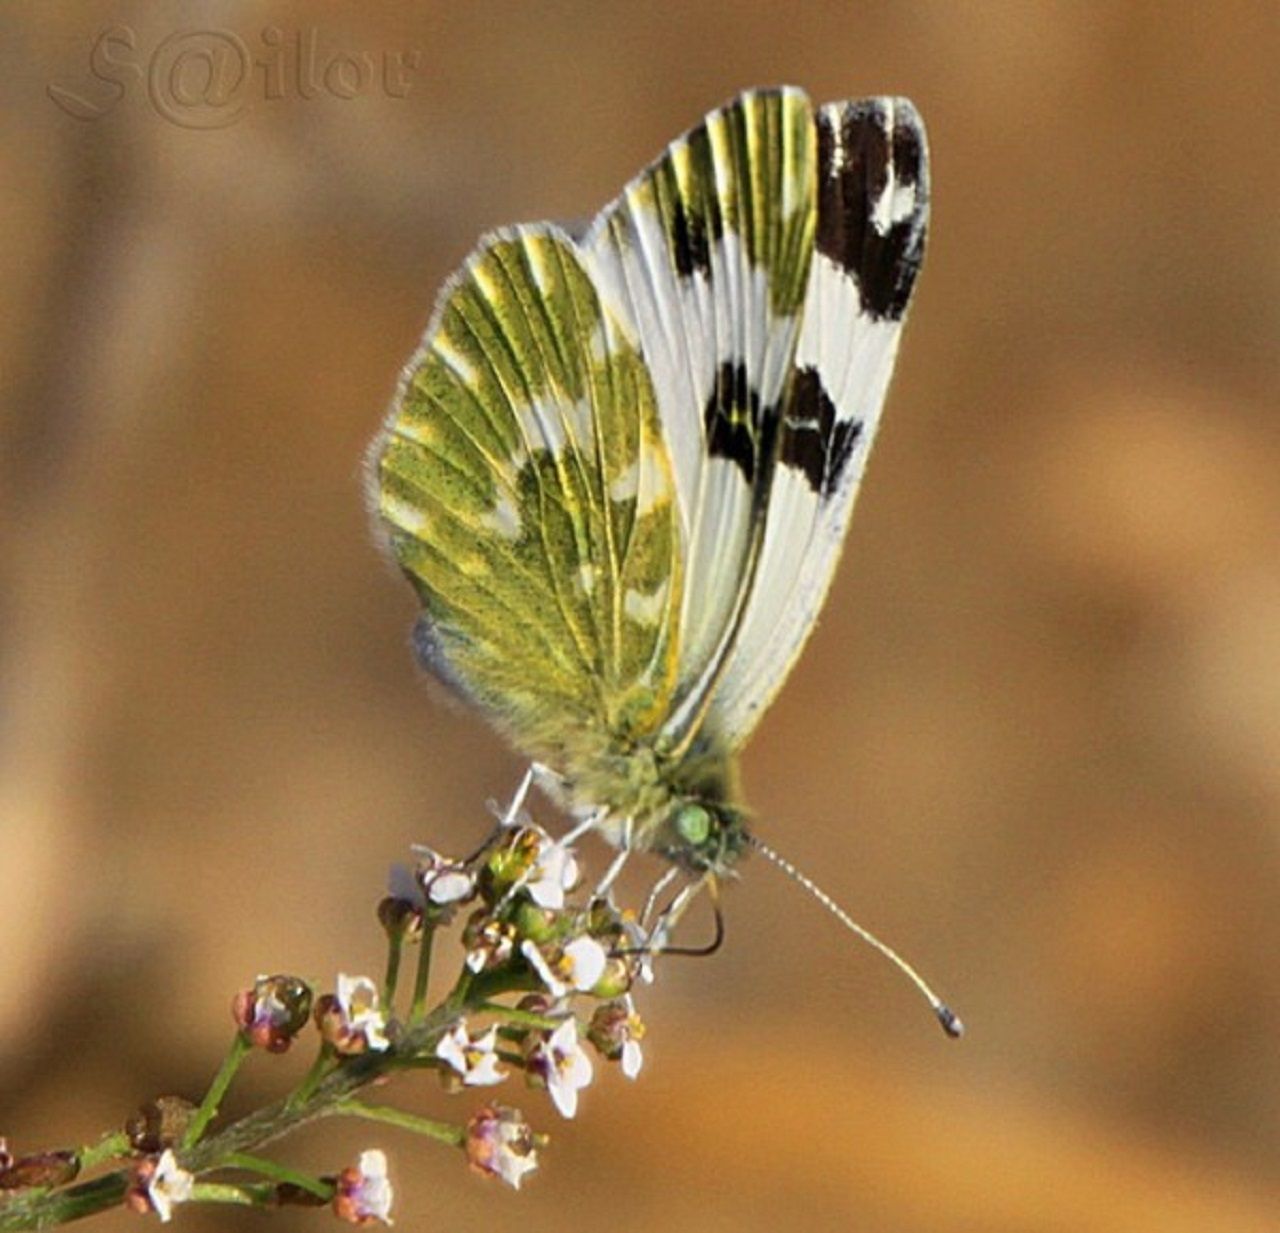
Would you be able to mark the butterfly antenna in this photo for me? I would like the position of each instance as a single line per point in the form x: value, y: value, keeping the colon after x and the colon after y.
x: 951, y: 1023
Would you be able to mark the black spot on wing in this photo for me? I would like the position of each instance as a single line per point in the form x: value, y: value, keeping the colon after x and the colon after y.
x: 863, y: 148
x: 735, y: 425
x: 689, y: 242
x: 814, y: 440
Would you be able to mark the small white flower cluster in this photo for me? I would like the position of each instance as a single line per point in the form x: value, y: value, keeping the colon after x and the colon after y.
x: 524, y: 930
x: 570, y: 950
x: 527, y: 937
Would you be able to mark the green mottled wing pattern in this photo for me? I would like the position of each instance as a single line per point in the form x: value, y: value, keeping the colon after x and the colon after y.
x: 526, y: 490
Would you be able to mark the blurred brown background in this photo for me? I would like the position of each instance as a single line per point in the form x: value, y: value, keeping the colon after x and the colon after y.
x: 1035, y: 742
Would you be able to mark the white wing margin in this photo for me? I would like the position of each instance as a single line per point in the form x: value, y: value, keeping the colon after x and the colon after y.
x: 873, y: 205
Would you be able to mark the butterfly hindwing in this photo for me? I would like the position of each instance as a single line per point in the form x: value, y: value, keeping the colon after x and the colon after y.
x: 873, y: 195
x: 527, y: 492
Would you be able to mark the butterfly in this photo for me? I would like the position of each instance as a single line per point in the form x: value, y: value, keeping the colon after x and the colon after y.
x: 619, y: 468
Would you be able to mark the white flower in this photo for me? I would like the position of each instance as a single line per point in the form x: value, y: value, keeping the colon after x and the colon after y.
x: 632, y: 1059
x: 451, y: 886
x: 616, y: 1030
x: 362, y: 1014
x: 565, y: 1066
x: 169, y: 1185
x: 475, y: 1058
x: 491, y: 945
x: 555, y: 871
x: 583, y: 962
x: 437, y: 881
x: 537, y: 961
x: 500, y: 1143
x: 364, y: 1193
x: 578, y: 967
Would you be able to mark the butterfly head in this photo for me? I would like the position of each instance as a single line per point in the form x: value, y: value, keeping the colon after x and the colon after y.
x: 704, y: 836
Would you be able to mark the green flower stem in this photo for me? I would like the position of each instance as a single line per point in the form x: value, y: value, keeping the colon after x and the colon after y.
x: 225, y: 1192
x: 277, y: 1173
x: 110, y: 1147
x: 423, y: 976
x: 43, y: 1209
x: 442, y: 1132
x: 311, y: 1080
x: 476, y: 990
x: 510, y: 1014
x: 208, y: 1109
x: 395, y: 948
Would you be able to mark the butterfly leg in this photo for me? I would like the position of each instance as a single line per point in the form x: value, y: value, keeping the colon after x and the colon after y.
x: 671, y: 914
x: 656, y: 893
x: 605, y: 885
x: 589, y: 823
x: 511, y: 817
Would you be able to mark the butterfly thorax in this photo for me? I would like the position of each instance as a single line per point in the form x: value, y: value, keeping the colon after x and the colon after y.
x: 684, y: 808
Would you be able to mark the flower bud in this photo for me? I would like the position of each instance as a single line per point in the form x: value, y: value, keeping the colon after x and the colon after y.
x: 158, y: 1124
x: 489, y: 942
x: 273, y: 1012
x: 39, y: 1169
x: 535, y: 923
x: 616, y: 1031
x: 510, y: 861
x: 401, y: 919
x: 605, y: 922
x: 616, y: 979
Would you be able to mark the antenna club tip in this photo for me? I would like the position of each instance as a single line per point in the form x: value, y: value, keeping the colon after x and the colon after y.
x: 952, y: 1024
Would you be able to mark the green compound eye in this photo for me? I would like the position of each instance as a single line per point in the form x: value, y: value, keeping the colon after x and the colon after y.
x: 694, y: 824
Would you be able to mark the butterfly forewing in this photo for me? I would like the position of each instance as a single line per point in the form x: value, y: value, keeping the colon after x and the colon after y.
x: 708, y: 253
x: 872, y: 214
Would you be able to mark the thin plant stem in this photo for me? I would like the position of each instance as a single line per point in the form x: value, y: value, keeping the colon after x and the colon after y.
x: 512, y: 1014
x: 208, y: 1109
x: 44, y: 1209
x: 277, y: 1173
x: 442, y: 1132
x: 423, y: 976
x: 227, y: 1192
x: 395, y: 948
x: 110, y: 1147
x: 311, y: 1080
